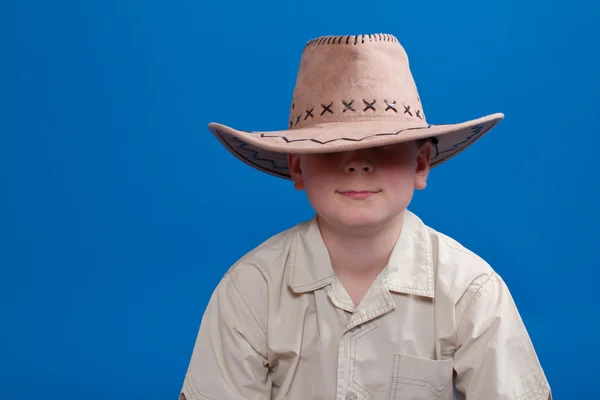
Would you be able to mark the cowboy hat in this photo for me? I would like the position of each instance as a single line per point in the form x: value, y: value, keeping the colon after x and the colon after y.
x: 351, y: 92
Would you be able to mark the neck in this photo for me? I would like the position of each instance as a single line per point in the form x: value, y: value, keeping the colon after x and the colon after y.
x: 361, y: 251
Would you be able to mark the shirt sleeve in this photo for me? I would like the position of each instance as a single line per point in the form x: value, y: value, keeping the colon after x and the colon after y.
x: 495, y: 358
x: 229, y: 357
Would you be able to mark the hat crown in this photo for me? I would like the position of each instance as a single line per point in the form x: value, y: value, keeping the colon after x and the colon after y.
x: 354, y: 78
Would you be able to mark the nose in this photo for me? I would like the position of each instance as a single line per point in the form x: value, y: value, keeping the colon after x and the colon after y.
x: 361, y: 166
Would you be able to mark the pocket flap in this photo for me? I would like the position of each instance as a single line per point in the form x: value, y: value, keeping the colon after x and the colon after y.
x: 436, y: 375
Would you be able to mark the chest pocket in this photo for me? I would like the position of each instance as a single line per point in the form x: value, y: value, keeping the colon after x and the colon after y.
x: 421, y: 379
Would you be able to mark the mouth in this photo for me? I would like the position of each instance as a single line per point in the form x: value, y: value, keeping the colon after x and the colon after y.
x: 358, y: 194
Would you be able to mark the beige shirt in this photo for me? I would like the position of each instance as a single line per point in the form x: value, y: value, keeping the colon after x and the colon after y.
x: 438, y: 322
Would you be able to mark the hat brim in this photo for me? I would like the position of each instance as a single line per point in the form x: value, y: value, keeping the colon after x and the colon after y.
x: 268, y: 151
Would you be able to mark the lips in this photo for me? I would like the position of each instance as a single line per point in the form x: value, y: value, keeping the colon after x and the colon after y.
x: 358, y: 194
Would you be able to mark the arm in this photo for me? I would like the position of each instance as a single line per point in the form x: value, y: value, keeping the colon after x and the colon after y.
x: 229, y: 357
x: 495, y: 358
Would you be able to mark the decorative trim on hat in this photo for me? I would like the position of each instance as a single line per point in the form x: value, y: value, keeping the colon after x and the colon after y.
x: 337, y: 104
x: 475, y: 130
x: 276, y: 162
x: 352, y: 39
x: 244, y: 146
x: 264, y: 135
x: 349, y: 106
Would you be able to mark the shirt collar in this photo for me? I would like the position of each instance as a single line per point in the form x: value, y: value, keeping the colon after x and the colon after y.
x: 409, y: 270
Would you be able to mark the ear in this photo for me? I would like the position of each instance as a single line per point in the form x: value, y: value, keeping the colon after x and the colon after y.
x: 296, y: 171
x: 423, y: 165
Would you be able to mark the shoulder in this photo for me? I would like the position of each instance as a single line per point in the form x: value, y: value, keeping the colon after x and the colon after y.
x: 261, y: 270
x: 451, y: 255
x: 467, y: 284
x: 460, y: 272
x: 267, y: 260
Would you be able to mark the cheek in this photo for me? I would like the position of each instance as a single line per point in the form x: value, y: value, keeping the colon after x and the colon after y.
x: 318, y: 175
x: 399, y: 174
x: 400, y: 182
x: 317, y: 186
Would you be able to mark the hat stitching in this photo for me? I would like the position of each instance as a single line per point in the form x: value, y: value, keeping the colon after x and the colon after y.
x: 348, y: 106
x: 309, y: 113
x: 475, y: 131
x: 391, y: 106
x: 264, y: 135
x: 332, y: 39
x: 369, y: 106
x: 326, y: 108
x: 255, y: 154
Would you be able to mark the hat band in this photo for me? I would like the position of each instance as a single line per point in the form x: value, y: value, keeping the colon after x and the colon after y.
x: 353, y: 110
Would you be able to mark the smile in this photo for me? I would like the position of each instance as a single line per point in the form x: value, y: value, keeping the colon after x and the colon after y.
x: 358, y: 194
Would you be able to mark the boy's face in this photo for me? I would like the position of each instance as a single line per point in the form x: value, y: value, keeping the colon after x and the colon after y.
x: 362, y: 188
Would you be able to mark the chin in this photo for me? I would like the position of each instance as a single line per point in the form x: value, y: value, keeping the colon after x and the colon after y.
x: 358, y: 219
x: 362, y: 215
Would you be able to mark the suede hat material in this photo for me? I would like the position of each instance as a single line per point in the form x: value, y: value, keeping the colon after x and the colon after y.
x: 351, y: 92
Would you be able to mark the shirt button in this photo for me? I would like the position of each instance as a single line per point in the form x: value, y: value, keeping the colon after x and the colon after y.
x: 351, y: 396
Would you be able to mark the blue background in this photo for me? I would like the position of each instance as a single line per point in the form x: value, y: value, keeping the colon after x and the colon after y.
x: 120, y: 212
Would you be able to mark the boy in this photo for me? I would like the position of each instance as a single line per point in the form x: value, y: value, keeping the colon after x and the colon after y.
x: 364, y: 301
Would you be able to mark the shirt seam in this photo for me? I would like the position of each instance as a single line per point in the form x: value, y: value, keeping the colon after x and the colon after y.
x: 429, y: 264
x: 453, y: 245
x: 474, y: 299
x: 263, y: 338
